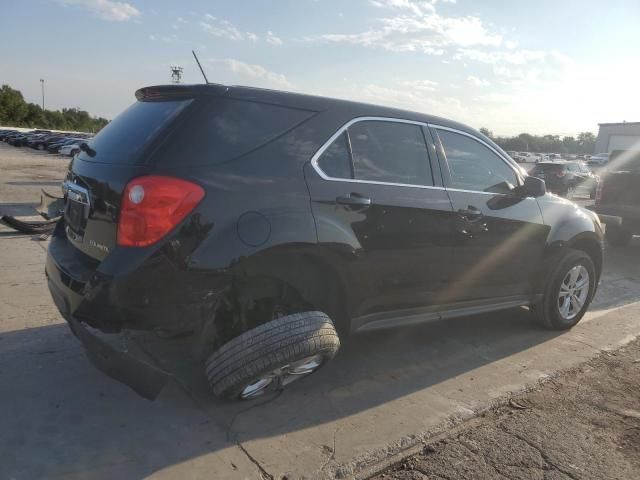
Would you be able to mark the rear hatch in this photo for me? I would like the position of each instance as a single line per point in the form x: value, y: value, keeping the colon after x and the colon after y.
x: 548, y: 171
x: 97, y: 177
x: 171, y: 130
x: 622, y: 178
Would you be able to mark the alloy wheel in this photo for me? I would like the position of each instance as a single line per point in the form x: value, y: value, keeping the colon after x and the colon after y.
x: 574, y: 291
x: 282, y: 376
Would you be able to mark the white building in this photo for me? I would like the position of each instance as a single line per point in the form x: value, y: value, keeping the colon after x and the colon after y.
x: 618, y: 136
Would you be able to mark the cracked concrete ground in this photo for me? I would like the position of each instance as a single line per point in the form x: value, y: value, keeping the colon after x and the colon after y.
x: 385, y: 391
x: 585, y: 424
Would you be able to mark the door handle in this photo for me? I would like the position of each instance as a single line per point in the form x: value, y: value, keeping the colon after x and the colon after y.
x: 470, y: 213
x: 354, y: 199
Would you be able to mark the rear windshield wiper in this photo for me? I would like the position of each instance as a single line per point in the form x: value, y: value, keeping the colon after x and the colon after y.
x: 87, y: 149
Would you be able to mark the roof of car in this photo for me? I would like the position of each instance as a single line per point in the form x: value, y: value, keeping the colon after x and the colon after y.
x: 301, y: 101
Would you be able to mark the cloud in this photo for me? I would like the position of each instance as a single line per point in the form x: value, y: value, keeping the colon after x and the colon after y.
x: 252, y: 36
x: 520, y: 67
x: 220, y: 28
x: 273, y: 40
x: 421, y: 85
x: 417, y: 27
x: 107, y: 9
x: 478, y: 82
x: 246, y: 73
x: 399, y: 96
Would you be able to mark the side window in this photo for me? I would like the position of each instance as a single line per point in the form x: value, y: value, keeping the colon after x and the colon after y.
x: 335, y: 161
x: 473, y: 166
x: 390, y: 152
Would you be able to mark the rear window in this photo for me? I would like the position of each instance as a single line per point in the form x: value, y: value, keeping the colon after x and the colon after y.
x: 222, y: 129
x: 124, y: 138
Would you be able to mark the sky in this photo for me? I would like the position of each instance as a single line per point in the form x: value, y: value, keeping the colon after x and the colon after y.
x: 543, y: 67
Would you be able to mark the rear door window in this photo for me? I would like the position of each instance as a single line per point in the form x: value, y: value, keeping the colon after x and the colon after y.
x: 390, y: 152
x: 335, y: 161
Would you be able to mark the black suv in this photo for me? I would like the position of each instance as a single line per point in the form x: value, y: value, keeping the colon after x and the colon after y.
x: 265, y: 225
x: 568, y: 178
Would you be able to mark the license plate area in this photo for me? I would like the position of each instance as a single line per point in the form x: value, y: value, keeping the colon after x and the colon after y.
x: 76, y: 210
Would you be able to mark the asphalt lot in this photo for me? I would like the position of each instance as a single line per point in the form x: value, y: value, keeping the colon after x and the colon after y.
x: 385, y: 392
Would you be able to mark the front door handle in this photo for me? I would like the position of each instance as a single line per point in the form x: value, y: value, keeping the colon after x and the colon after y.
x: 354, y: 199
x: 470, y: 213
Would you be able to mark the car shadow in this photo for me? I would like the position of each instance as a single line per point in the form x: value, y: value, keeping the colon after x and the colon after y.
x: 63, y: 416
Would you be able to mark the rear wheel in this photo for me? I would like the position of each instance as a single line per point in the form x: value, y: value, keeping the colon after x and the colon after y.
x: 617, y: 236
x: 272, y: 355
x: 570, y: 285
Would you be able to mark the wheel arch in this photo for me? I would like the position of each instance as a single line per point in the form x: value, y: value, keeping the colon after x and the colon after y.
x: 588, y: 242
x: 303, y: 269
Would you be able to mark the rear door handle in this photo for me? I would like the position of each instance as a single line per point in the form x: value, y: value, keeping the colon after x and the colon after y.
x: 354, y: 199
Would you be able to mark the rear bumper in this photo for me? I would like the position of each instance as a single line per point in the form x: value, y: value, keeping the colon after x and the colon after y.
x: 627, y: 216
x: 145, y: 379
x: 133, y: 289
x: 97, y: 298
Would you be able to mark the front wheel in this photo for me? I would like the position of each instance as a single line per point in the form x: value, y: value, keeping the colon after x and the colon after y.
x: 272, y: 355
x: 570, y: 286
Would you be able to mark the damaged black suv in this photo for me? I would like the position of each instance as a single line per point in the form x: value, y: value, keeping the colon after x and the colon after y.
x: 266, y: 225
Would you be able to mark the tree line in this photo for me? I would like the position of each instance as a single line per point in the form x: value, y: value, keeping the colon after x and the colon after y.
x: 584, y: 143
x: 16, y: 112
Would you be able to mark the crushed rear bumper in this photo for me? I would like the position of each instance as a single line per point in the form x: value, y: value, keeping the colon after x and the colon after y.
x: 118, y: 363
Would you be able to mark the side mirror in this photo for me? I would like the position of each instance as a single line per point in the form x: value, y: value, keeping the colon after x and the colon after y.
x: 533, y: 187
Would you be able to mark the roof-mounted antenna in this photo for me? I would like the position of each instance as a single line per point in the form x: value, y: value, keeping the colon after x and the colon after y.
x: 200, y: 66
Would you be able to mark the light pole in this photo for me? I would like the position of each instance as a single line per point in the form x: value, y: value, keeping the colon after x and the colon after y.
x: 42, y: 85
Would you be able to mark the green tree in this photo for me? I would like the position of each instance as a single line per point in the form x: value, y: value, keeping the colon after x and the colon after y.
x: 14, y: 111
x: 486, y: 132
x: 13, y: 108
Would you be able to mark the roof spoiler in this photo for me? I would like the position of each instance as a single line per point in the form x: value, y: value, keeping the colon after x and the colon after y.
x: 170, y: 92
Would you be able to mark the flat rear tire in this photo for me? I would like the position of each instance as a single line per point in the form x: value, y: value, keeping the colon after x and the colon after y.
x: 272, y: 355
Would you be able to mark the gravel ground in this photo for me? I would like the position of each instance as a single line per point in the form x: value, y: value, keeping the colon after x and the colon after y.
x: 584, y: 424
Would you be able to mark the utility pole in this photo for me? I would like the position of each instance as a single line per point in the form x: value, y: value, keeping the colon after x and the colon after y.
x: 42, y: 85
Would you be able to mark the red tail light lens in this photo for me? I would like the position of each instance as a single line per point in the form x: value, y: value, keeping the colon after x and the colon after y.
x: 560, y: 173
x: 152, y: 206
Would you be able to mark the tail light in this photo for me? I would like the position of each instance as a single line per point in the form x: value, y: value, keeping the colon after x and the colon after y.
x: 560, y: 173
x: 152, y: 206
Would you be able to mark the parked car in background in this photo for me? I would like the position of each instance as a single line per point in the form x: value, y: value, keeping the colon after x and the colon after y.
x: 43, y: 141
x: 55, y: 147
x: 17, y: 140
x: 70, y: 149
x: 318, y: 218
x: 567, y: 179
x: 6, y: 133
x: 599, y: 159
x: 619, y: 195
x: 528, y: 157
